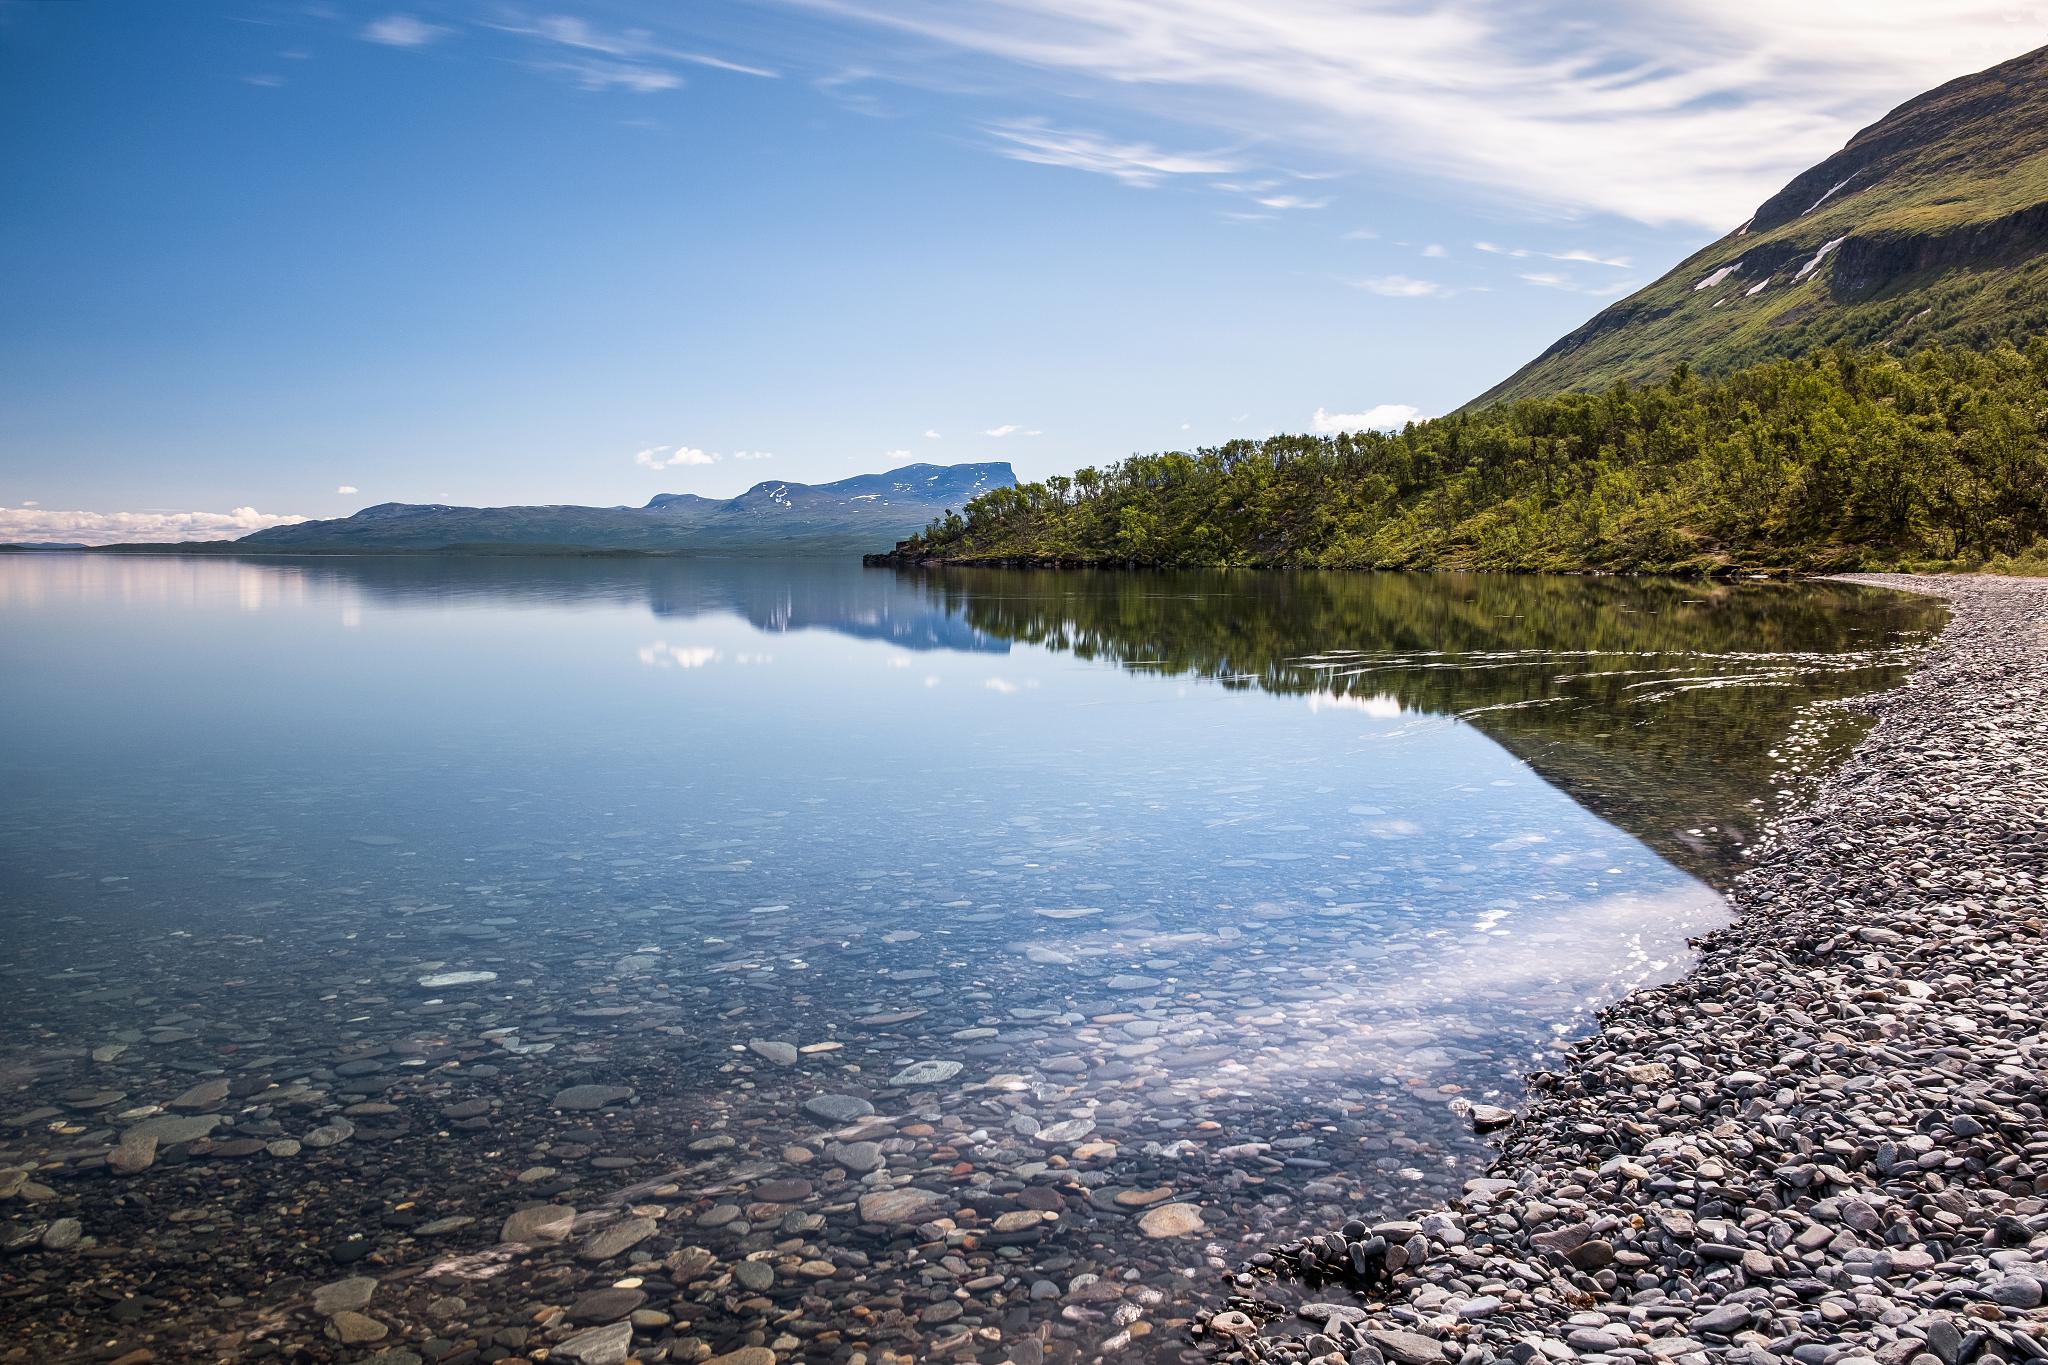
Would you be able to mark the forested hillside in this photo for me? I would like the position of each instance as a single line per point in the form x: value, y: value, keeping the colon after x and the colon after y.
x: 1843, y: 459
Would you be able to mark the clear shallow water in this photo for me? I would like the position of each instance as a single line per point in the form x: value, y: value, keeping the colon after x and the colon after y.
x: 1103, y: 891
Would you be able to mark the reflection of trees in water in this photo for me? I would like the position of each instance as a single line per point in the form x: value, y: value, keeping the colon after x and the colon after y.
x: 1656, y: 704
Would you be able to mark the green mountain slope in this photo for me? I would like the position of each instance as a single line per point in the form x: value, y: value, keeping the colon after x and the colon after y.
x: 1930, y: 226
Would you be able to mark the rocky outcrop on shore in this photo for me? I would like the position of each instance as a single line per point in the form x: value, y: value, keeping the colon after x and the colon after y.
x: 1828, y: 1145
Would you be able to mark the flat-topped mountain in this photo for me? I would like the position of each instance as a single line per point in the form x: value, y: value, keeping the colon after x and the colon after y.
x: 1931, y: 225
x: 775, y: 516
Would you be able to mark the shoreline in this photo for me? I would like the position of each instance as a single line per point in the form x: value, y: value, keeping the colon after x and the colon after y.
x: 1827, y: 1144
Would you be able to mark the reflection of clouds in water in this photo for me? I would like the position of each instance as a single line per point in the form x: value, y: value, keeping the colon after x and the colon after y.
x: 1408, y: 1006
x: 1381, y: 707
x: 662, y: 654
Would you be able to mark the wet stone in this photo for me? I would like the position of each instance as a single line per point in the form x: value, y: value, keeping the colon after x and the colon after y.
x: 1172, y: 1220
x: 858, y: 1157
x: 925, y: 1073
x: 356, y: 1329
x: 616, y: 1239
x: 353, y: 1292
x: 582, y: 1098
x: 909, y: 1205
x: 605, y: 1305
x: 608, y: 1345
x: 782, y: 1054
x: 205, y: 1095
x: 133, y: 1154
x: 837, y: 1108
x: 167, y: 1129
x: 545, y: 1223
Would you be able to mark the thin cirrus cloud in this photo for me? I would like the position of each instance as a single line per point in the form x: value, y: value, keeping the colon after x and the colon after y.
x: 637, y: 46
x: 1134, y: 163
x: 403, y: 30
x: 1383, y: 417
x: 1575, y: 255
x: 1551, y: 279
x: 1689, y: 112
x: 1401, y: 287
x: 115, y: 528
x: 633, y: 60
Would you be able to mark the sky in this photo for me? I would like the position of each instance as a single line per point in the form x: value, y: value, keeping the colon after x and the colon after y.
x: 269, y: 259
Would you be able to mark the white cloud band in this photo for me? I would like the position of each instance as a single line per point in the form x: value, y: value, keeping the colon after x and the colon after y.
x: 114, y: 528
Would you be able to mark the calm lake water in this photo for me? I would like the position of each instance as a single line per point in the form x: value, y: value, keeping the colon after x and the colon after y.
x: 393, y: 896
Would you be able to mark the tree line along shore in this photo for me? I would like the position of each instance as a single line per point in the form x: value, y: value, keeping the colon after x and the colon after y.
x: 1840, y: 460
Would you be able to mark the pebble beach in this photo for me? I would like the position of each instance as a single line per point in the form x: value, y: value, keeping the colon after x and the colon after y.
x: 1827, y: 1144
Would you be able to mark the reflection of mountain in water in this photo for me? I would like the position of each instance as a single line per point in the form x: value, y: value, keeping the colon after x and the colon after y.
x: 1660, y: 706
x: 773, y: 596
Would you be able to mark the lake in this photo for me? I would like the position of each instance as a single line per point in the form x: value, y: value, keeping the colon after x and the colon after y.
x: 965, y: 965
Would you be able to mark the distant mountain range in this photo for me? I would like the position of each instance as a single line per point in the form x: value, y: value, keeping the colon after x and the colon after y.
x: 1931, y: 225
x: 776, y: 517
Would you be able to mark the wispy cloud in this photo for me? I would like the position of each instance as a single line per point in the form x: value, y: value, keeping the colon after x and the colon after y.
x: 113, y: 528
x: 668, y: 457
x: 1551, y: 279
x: 752, y: 455
x: 1006, y: 429
x: 1575, y: 254
x: 348, y: 488
x: 1384, y: 417
x: 931, y: 435
x: 1400, y: 287
x: 402, y: 30
x: 1134, y: 163
x: 605, y: 75
x: 1690, y: 111
x: 632, y: 44
x: 635, y: 60
x: 1292, y: 201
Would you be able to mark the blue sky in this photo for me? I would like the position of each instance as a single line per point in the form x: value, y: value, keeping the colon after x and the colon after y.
x: 288, y: 259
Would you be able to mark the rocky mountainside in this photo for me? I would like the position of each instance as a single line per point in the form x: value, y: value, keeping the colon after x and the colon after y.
x: 1931, y: 225
x: 776, y: 516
